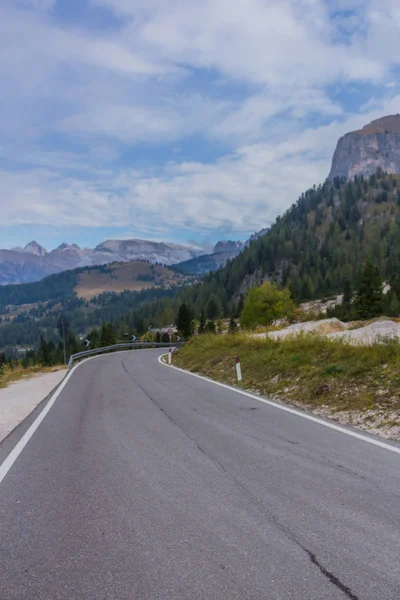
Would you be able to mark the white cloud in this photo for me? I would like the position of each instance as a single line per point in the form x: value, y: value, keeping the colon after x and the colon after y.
x: 57, y: 46
x: 168, y: 118
x: 270, y: 42
x: 249, y: 74
x: 240, y: 193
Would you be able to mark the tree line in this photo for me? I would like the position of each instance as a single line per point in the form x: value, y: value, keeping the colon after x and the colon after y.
x: 263, y: 305
x: 315, y: 250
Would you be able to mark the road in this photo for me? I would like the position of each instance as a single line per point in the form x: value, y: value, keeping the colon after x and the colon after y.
x: 143, y: 482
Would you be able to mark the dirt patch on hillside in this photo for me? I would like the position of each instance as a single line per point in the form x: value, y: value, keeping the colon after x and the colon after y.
x: 133, y: 276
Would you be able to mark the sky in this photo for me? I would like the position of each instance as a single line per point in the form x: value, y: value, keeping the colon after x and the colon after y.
x: 176, y: 120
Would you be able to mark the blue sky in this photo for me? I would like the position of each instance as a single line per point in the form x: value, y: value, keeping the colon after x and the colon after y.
x: 182, y: 121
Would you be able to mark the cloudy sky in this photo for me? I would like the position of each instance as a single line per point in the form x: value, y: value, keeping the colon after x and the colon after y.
x: 181, y: 120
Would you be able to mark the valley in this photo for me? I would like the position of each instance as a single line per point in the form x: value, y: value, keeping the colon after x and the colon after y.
x: 199, y: 300
x: 335, y: 253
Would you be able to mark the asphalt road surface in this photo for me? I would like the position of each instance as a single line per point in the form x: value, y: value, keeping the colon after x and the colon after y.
x: 143, y: 482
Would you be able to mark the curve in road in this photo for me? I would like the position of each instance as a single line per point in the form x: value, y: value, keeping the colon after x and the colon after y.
x: 143, y: 482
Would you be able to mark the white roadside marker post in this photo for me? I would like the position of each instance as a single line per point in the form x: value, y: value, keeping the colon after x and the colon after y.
x: 238, y: 369
x: 170, y: 333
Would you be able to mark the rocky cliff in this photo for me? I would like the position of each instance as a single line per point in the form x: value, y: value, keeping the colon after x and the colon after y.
x: 228, y: 246
x: 362, y: 152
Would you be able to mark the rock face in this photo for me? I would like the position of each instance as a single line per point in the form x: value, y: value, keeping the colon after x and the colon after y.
x: 126, y: 250
x: 228, y: 246
x: 362, y: 152
x: 32, y: 248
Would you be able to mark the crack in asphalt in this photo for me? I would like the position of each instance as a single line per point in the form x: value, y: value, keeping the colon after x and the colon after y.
x: 332, y: 578
x: 271, y: 518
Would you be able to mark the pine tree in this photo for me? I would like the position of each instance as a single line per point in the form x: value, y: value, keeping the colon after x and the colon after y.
x: 103, y: 336
x: 214, y: 307
x: 184, y: 321
x: 307, y: 290
x: 94, y: 338
x: 369, y: 298
x: 210, y: 327
x: 232, y: 326
x: 43, y: 353
x: 347, y: 293
x: 202, y: 324
x: 108, y: 335
x: 394, y: 307
x: 347, y: 298
x: 111, y: 334
x: 2, y: 362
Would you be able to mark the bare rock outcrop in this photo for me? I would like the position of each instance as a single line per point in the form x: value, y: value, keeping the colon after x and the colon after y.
x: 362, y: 152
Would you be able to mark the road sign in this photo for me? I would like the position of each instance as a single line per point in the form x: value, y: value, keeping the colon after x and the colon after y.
x: 134, y: 338
x: 170, y: 331
x: 178, y: 339
x: 87, y: 343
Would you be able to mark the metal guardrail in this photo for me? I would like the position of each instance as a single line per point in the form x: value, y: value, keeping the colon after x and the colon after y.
x: 132, y: 345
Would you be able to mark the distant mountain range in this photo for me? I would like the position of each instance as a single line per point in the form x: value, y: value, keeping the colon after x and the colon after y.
x: 33, y: 263
x: 222, y: 252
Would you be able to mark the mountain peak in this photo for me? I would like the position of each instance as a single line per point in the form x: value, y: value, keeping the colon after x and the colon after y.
x: 35, y: 248
x: 227, y: 246
x: 363, y: 152
x: 389, y: 124
x: 71, y: 256
x: 65, y: 246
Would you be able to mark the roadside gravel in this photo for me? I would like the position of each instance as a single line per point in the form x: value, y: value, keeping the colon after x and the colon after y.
x: 19, y: 399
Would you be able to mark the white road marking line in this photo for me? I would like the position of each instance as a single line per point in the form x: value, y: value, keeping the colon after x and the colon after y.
x: 18, y: 448
x: 16, y: 451
x: 293, y: 411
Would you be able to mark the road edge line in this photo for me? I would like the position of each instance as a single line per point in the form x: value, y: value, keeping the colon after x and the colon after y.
x: 10, y: 459
x: 20, y: 445
x: 288, y: 409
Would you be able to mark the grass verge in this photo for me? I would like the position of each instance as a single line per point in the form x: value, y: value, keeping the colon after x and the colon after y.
x: 10, y: 375
x: 358, y: 384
